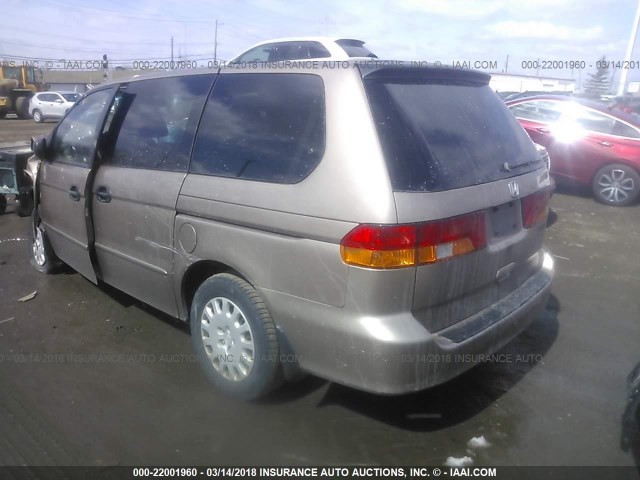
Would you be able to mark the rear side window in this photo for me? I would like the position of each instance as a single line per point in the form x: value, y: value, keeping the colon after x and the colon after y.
x: 297, y: 51
x: 256, y: 54
x: 282, y: 51
x: 155, y: 121
x: 538, y: 110
x: 268, y: 127
x: 442, y: 136
x: 623, y: 130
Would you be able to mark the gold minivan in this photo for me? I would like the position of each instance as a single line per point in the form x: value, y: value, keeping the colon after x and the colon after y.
x: 377, y: 225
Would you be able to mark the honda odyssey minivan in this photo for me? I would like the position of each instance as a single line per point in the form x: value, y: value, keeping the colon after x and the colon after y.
x: 378, y: 226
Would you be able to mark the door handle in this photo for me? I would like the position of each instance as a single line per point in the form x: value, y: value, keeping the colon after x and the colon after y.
x: 604, y: 143
x: 74, y: 193
x: 543, y: 130
x: 103, y: 195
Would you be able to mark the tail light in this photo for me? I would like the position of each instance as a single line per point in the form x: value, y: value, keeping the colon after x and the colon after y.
x: 535, y: 208
x: 395, y: 246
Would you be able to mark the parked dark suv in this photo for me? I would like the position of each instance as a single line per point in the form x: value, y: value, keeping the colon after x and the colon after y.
x: 381, y: 227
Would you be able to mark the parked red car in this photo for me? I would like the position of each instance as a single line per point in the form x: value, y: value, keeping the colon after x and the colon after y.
x: 589, y: 144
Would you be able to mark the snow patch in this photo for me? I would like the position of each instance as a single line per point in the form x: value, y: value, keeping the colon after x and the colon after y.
x: 478, y: 442
x: 458, y: 462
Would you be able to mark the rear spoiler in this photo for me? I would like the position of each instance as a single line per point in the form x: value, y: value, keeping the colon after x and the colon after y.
x: 400, y: 72
x: 350, y: 41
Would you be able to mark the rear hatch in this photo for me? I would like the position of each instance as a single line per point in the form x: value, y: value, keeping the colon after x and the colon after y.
x: 468, y: 176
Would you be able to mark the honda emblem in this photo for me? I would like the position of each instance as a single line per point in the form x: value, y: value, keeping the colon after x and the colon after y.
x: 514, y: 189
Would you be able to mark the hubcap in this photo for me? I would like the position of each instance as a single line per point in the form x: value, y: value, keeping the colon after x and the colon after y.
x: 228, y: 339
x: 36, y: 116
x: 38, y: 247
x: 615, y: 186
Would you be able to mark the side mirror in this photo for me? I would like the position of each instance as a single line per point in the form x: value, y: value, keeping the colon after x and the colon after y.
x: 39, y: 147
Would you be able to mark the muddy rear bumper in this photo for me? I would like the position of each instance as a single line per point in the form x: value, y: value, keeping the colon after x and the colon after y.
x: 395, y: 354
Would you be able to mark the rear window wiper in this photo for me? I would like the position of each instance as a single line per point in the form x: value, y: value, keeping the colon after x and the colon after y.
x: 507, y: 167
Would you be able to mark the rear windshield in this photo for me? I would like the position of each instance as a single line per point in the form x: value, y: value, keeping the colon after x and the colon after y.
x: 355, y: 48
x: 442, y: 136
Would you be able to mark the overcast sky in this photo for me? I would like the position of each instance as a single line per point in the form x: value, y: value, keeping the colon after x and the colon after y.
x: 443, y: 30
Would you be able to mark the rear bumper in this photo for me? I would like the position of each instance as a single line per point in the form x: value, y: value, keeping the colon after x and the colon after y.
x: 395, y: 354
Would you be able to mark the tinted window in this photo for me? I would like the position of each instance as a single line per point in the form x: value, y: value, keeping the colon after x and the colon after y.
x: 71, y: 97
x: 47, y: 97
x: 160, y: 119
x: 317, y: 50
x: 297, y: 51
x: 266, y: 127
x: 444, y: 136
x: 257, y: 54
x: 537, y: 110
x: 591, y: 120
x: 75, y: 138
x: 623, y: 130
x: 595, y: 121
x: 355, y: 48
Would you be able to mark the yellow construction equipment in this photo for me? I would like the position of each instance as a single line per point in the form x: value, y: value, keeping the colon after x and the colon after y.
x: 18, y: 83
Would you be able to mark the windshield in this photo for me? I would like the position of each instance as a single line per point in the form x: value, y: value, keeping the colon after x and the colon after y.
x: 13, y: 73
x: 442, y: 136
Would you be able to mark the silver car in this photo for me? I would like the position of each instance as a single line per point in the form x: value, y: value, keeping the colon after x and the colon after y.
x: 304, y: 48
x: 378, y: 226
x: 46, y: 105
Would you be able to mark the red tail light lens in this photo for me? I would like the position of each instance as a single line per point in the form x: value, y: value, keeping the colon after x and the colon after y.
x: 380, y: 246
x: 394, y: 246
x: 535, y: 208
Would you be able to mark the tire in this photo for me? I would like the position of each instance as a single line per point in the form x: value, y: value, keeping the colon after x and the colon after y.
x: 22, y: 107
x: 3, y: 204
x: 616, y: 184
x: 37, y: 116
x: 3, y: 113
x: 24, y: 204
x: 43, y: 259
x: 245, y: 372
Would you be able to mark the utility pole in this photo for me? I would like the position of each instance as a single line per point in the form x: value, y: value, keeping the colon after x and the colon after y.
x: 627, y: 57
x: 105, y: 67
x: 172, y: 52
x: 215, y: 42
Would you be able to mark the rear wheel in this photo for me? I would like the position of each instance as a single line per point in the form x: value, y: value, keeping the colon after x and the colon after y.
x: 235, y: 337
x: 24, y: 204
x: 37, y: 116
x: 22, y: 107
x: 3, y: 204
x: 43, y: 258
x: 3, y: 113
x: 616, y: 184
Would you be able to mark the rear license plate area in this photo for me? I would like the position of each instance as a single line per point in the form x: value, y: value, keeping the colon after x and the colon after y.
x: 503, y: 219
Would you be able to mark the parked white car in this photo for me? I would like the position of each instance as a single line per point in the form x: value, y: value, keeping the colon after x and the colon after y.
x: 46, y: 105
x: 305, y: 48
